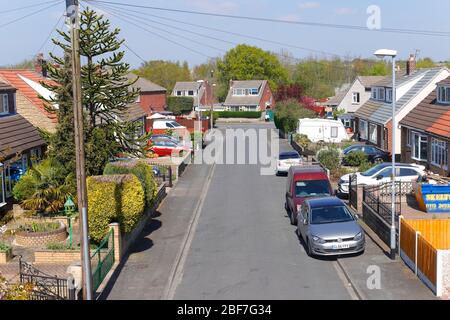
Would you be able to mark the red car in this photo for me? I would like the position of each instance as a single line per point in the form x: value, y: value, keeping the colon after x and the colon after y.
x: 305, y: 182
x: 166, y: 147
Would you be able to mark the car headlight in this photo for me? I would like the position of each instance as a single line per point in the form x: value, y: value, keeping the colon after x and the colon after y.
x: 318, y: 239
x: 358, y: 237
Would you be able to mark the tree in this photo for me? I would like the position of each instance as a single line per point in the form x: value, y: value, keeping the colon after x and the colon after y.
x: 106, y: 93
x: 287, y: 92
x: 287, y: 114
x: 246, y: 62
x: 425, y: 63
x: 180, y: 105
x: 24, y: 64
x: 165, y: 73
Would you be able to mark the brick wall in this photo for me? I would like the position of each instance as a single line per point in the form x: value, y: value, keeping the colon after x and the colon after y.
x: 40, y: 239
x: 153, y: 100
x: 30, y: 112
x: 5, y: 256
x: 57, y: 257
x: 266, y: 97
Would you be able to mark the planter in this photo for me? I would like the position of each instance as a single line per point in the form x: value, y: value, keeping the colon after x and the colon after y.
x: 39, y: 239
x: 5, y: 256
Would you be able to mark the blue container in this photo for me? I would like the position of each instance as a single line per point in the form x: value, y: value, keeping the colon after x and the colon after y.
x: 436, y: 198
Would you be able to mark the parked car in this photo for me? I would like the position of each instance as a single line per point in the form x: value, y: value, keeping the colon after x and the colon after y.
x: 166, y: 124
x: 382, y: 174
x: 287, y: 160
x: 165, y: 147
x: 325, y: 130
x: 374, y: 154
x: 327, y: 227
x: 305, y: 182
x: 165, y: 136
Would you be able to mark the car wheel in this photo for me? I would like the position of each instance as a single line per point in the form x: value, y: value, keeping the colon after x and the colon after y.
x: 293, y: 220
x: 308, y: 248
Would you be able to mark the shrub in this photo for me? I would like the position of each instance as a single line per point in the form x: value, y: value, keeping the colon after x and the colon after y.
x: 179, y: 105
x: 330, y: 158
x: 141, y: 170
x: 132, y: 203
x: 365, y: 165
x: 287, y: 114
x: 302, y: 140
x: 4, y: 247
x: 102, y: 205
x: 239, y: 114
x: 356, y: 158
x: 59, y: 247
x: 36, y: 227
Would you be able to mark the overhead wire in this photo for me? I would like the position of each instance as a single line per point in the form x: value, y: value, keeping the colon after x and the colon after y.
x: 29, y: 15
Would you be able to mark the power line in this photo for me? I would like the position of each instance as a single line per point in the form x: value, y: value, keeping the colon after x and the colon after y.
x: 29, y: 15
x: 28, y: 7
x: 313, y: 24
x: 132, y: 51
x: 50, y: 34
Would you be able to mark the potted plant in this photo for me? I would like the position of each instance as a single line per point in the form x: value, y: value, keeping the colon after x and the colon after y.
x: 5, y: 252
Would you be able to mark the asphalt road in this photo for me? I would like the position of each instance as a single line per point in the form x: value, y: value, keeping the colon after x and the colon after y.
x: 245, y: 248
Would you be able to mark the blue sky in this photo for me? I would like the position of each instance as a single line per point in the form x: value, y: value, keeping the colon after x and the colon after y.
x: 22, y: 39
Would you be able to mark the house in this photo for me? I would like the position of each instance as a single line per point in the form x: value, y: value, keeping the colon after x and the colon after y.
x: 374, y: 118
x: 152, y: 98
x: 351, y: 99
x: 200, y: 91
x: 28, y: 103
x: 426, y: 131
x: 20, y: 143
x: 250, y: 95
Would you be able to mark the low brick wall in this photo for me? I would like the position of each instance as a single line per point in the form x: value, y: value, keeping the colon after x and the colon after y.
x: 57, y: 257
x: 5, y: 256
x: 29, y: 239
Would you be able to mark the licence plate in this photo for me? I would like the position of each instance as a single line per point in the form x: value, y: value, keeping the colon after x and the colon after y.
x: 341, y: 246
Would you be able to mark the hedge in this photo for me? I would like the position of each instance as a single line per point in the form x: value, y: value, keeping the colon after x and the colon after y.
x: 239, y: 114
x: 179, y: 105
x: 141, y: 170
x: 114, y: 198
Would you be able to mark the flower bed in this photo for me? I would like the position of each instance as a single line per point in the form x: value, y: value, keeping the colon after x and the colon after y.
x: 39, y: 236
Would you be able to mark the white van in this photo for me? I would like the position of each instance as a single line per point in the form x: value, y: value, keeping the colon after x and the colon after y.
x: 332, y: 131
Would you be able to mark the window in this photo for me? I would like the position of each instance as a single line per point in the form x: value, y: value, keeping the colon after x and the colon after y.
x: 404, y: 172
x: 179, y: 93
x: 388, y: 95
x: 308, y: 188
x: 375, y: 93
x: 443, y: 94
x: 190, y: 93
x: 373, y: 133
x: 419, y: 146
x: 408, y: 137
x: 239, y: 92
x: 356, y: 98
x: 2, y: 189
x: 334, y: 132
x: 439, y: 153
x: 386, y: 173
x: 4, y: 104
x: 363, y: 129
x: 254, y: 92
x: 381, y: 94
x: 35, y: 156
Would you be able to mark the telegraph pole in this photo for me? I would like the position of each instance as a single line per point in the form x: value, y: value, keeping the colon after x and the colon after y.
x: 72, y: 14
x: 212, y: 101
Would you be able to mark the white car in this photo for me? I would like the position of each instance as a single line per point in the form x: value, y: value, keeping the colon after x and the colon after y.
x: 286, y: 160
x: 167, y: 124
x: 382, y: 174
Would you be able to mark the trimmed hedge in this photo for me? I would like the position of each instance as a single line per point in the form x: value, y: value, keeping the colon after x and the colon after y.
x: 114, y: 198
x: 179, y: 105
x: 141, y: 170
x: 239, y: 114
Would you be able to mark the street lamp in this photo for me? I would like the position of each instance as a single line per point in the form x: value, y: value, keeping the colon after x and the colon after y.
x: 382, y: 53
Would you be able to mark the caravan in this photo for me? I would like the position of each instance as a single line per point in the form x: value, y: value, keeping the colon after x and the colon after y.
x: 318, y: 130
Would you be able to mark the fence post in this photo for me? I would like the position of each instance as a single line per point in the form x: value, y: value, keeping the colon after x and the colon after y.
x: 117, y: 241
x: 415, y: 254
x: 400, y: 217
x: 170, y: 177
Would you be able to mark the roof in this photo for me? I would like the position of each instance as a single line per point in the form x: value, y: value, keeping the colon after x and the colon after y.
x: 133, y: 112
x: 307, y: 169
x: 232, y: 100
x: 337, y: 99
x: 187, y: 85
x: 6, y: 87
x: 381, y: 112
x: 430, y: 116
x: 144, y: 85
x: 370, y: 81
x: 325, y: 201
x: 401, y: 78
x: 15, y: 78
x: 17, y: 135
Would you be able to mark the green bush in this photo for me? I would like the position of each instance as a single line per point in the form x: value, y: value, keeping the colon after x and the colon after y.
x: 59, y: 247
x: 330, y: 158
x: 103, y: 208
x: 364, y: 166
x: 4, y: 247
x: 239, y: 114
x: 141, y: 170
x: 287, y: 114
x: 302, y: 140
x: 180, y: 105
x: 132, y: 203
x: 356, y: 158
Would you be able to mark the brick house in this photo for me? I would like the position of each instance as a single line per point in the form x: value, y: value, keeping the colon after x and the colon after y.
x: 28, y: 103
x: 200, y: 91
x: 21, y: 145
x: 426, y: 131
x: 152, y: 98
x: 250, y: 95
x: 373, y: 120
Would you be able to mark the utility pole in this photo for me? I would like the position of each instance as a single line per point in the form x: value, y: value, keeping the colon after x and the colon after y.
x: 212, y: 101
x: 72, y: 14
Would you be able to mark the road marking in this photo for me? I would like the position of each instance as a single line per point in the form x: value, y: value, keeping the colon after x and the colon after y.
x: 176, y: 273
x: 342, y: 274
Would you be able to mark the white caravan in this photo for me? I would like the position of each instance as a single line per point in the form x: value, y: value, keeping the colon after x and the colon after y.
x: 317, y: 130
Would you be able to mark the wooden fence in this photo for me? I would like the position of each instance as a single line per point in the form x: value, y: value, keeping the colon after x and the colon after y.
x: 422, y: 246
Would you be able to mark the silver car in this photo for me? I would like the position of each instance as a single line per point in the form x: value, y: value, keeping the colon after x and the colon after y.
x: 328, y: 228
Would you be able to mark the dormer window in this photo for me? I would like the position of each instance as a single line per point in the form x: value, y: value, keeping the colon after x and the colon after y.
x: 246, y: 92
x: 378, y: 94
x: 443, y: 94
x: 4, y: 106
x: 388, y: 95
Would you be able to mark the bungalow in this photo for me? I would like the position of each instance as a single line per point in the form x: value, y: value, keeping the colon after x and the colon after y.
x: 426, y: 131
x: 353, y: 98
x: 21, y: 145
x: 200, y: 91
x: 374, y: 118
x: 250, y: 95
x: 152, y: 98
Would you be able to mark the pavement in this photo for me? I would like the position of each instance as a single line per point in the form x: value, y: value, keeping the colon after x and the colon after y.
x: 234, y: 241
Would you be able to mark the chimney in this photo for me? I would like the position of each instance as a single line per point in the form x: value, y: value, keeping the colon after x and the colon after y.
x: 40, y: 65
x: 411, y: 65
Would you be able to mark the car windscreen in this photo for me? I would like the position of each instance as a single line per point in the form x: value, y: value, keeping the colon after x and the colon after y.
x: 286, y: 156
x: 373, y: 171
x: 332, y: 214
x: 175, y: 124
x: 312, y: 188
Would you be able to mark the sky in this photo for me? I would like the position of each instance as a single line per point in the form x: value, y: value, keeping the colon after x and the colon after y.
x: 23, y: 39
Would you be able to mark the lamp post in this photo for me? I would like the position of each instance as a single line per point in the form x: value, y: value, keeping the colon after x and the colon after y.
x: 382, y: 53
